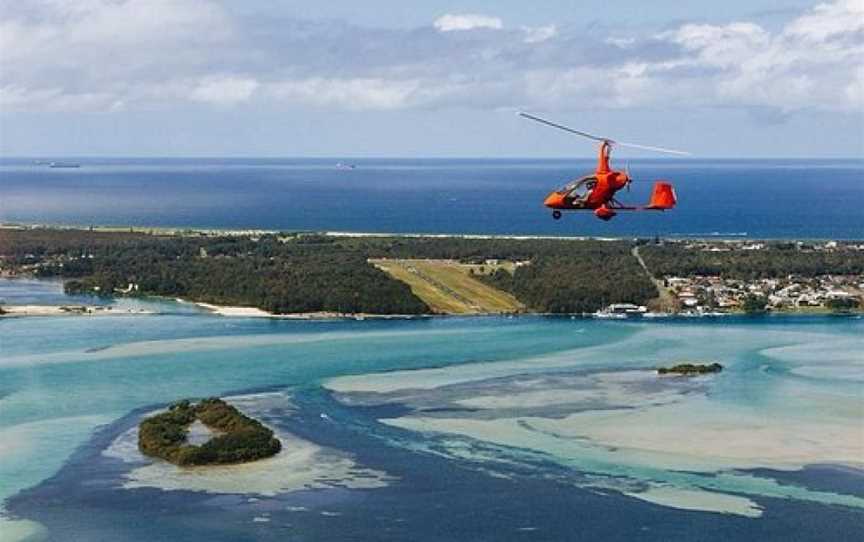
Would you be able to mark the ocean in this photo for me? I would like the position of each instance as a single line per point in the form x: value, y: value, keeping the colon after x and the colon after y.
x: 784, y: 199
x: 480, y: 428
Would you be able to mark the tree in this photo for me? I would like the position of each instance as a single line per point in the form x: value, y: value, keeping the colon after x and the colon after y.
x: 754, y: 304
x: 842, y: 304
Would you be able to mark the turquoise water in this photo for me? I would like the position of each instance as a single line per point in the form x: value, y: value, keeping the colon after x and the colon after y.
x: 350, y: 394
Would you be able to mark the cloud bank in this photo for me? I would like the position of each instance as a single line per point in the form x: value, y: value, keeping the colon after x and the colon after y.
x: 470, y: 21
x: 110, y: 55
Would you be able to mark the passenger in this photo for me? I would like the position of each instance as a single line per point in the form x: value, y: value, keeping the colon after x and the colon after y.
x: 575, y: 194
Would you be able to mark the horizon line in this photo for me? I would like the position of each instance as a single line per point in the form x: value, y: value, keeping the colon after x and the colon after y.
x: 406, y: 157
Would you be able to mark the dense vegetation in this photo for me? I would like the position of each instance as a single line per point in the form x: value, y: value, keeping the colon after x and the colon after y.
x: 773, y: 261
x: 843, y: 304
x: 583, y: 277
x: 754, y: 304
x: 691, y: 369
x: 28, y: 246
x: 273, y: 273
x: 242, y: 438
x: 564, y: 276
x: 309, y: 273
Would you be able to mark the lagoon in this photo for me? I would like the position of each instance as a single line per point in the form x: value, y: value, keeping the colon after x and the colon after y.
x: 529, y: 428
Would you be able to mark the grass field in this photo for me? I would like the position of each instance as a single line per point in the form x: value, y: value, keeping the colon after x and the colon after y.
x: 448, y: 287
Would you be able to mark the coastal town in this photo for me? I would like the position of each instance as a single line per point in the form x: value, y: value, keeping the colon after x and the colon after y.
x: 715, y: 295
x: 718, y: 294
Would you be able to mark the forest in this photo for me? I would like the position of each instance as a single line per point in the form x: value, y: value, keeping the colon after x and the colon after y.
x: 239, y: 438
x: 303, y: 272
x: 583, y: 278
x: 291, y: 273
x: 775, y: 260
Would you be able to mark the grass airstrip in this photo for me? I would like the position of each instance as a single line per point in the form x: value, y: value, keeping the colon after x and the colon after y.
x: 448, y: 286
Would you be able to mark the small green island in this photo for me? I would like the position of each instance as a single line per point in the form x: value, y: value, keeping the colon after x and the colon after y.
x: 691, y: 369
x: 238, y: 438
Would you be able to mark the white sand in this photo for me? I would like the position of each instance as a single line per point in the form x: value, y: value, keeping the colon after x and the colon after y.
x: 203, y: 344
x: 608, y: 388
x: 839, y: 359
x: 12, y: 311
x: 300, y: 465
x: 198, y: 433
x: 665, y: 435
x: 694, y: 499
x: 709, y: 437
x: 672, y: 344
x: 246, y: 312
x: 252, y: 312
x: 692, y: 434
x: 21, y: 530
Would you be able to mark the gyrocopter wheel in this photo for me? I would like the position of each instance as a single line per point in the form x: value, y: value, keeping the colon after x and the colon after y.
x: 556, y: 215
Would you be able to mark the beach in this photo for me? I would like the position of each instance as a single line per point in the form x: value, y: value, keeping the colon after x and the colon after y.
x: 17, y: 311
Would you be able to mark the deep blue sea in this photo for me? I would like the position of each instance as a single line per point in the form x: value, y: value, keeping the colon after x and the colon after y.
x: 724, y: 198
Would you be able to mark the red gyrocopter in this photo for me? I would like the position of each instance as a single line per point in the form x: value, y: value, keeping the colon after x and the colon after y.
x: 597, y: 192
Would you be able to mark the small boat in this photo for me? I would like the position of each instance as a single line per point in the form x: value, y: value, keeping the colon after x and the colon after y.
x: 608, y: 315
x: 63, y: 165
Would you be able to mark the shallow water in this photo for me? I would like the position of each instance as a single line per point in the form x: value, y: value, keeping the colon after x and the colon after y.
x: 483, y: 428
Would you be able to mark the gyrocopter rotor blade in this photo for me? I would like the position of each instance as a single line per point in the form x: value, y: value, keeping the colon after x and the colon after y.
x: 649, y: 148
x: 566, y: 129
x: 599, y: 138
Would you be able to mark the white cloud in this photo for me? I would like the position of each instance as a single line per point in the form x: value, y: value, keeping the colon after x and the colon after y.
x: 467, y: 21
x: 829, y: 20
x: 15, y: 98
x: 105, y: 48
x: 352, y: 94
x: 719, y: 45
x: 104, y: 55
x: 539, y: 33
x: 623, y: 43
x: 810, y: 63
x: 223, y: 90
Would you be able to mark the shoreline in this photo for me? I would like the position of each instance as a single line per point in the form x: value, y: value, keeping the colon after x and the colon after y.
x: 254, y: 312
x: 23, y: 311
x: 233, y: 311
x: 195, y: 231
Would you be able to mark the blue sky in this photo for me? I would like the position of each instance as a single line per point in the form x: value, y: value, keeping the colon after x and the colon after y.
x: 395, y: 78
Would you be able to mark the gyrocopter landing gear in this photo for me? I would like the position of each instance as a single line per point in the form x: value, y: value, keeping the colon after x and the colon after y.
x: 556, y: 215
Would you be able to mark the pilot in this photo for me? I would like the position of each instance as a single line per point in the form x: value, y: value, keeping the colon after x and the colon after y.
x: 574, y: 195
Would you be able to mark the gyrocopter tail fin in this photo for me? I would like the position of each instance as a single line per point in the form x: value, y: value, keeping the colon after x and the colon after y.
x: 662, y: 197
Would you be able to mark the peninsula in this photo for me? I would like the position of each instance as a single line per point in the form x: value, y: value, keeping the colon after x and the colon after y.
x: 302, y: 274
